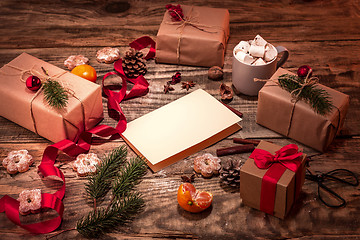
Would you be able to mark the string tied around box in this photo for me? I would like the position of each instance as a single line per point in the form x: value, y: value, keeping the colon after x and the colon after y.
x: 55, y: 81
x: 190, y: 20
x: 305, y: 88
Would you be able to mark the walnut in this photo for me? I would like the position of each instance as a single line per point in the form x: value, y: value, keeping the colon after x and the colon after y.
x: 215, y: 73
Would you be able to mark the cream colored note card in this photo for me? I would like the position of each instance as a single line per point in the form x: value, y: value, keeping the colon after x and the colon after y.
x: 180, y: 128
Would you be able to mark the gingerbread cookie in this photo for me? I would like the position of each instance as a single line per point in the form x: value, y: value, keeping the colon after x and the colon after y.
x: 30, y: 201
x: 85, y: 164
x: 108, y: 55
x: 17, y: 161
x: 207, y: 165
x: 75, y: 60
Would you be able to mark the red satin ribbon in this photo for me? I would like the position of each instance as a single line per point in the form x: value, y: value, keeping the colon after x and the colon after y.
x: 11, y: 208
x: 142, y: 43
x: 54, y: 201
x: 285, y: 158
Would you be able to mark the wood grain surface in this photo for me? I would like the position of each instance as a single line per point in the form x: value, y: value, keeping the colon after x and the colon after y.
x: 322, y: 34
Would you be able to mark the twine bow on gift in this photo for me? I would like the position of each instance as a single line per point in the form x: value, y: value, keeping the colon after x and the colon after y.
x: 287, y: 157
x: 308, y: 81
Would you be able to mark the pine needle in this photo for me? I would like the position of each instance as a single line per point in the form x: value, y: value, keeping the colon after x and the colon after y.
x: 99, y: 184
x: 121, y: 212
x: 128, y: 177
x: 317, y: 98
x: 55, y: 94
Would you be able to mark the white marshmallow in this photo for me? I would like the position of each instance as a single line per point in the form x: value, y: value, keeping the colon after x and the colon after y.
x: 259, y: 41
x: 243, y: 46
x: 243, y: 57
x: 257, y: 51
x: 270, y: 52
x: 259, y: 61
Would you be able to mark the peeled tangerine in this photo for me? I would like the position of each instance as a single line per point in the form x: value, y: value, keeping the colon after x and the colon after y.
x: 193, y: 200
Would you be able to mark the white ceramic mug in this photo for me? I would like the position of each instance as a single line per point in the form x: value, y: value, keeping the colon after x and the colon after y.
x: 243, y: 74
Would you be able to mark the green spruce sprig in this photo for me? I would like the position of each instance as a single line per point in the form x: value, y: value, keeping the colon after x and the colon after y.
x: 98, y: 185
x: 120, y: 176
x: 317, y: 98
x: 121, y: 212
x: 128, y: 177
x: 55, y: 94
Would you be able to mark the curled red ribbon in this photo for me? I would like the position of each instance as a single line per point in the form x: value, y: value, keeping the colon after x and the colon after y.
x: 142, y: 43
x: 54, y: 201
x: 287, y: 157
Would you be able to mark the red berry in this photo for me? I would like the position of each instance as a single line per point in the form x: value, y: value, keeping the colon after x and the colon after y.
x: 175, y: 12
x: 33, y: 83
x: 304, y: 70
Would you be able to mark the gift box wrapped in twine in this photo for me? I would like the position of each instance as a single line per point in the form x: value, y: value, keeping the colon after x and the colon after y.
x: 280, y: 112
x: 199, y: 39
x: 29, y: 109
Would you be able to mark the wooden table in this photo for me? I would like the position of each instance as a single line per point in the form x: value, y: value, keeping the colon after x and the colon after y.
x: 322, y: 34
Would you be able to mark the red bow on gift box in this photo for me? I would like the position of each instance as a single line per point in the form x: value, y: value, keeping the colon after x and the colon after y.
x: 287, y: 157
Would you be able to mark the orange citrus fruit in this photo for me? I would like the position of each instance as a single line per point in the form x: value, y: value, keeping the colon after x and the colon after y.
x: 85, y: 71
x: 193, y: 200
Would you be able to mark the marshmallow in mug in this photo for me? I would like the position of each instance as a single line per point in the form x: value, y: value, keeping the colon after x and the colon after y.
x: 255, y: 52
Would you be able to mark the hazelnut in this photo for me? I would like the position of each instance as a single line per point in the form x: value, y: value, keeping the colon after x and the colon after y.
x: 215, y: 73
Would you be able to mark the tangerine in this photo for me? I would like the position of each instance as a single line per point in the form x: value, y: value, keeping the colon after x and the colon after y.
x: 193, y: 200
x: 85, y: 71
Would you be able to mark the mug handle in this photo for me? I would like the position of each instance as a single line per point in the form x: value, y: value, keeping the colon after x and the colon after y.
x: 284, y: 57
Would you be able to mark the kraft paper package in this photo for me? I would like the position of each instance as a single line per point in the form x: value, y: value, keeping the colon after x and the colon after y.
x: 29, y: 109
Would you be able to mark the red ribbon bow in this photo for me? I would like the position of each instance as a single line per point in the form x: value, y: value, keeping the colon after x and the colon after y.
x: 287, y: 157
x: 54, y: 201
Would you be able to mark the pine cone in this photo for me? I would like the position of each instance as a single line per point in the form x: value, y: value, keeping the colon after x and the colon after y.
x: 230, y: 173
x: 133, y: 63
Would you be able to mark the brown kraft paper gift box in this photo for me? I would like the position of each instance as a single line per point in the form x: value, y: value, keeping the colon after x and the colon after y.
x: 50, y: 123
x: 200, y: 41
x: 304, y: 125
x: 251, y: 180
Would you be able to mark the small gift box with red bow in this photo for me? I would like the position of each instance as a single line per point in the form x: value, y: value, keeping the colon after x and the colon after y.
x: 272, y: 178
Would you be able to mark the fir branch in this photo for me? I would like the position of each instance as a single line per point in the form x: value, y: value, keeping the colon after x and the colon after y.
x: 128, y: 177
x: 99, y: 184
x: 121, y: 212
x: 317, y: 98
x: 55, y: 94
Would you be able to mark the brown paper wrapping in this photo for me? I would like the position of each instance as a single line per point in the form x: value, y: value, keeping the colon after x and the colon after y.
x: 314, y: 130
x: 52, y: 124
x: 204, y: 45
x: 251, y: 180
